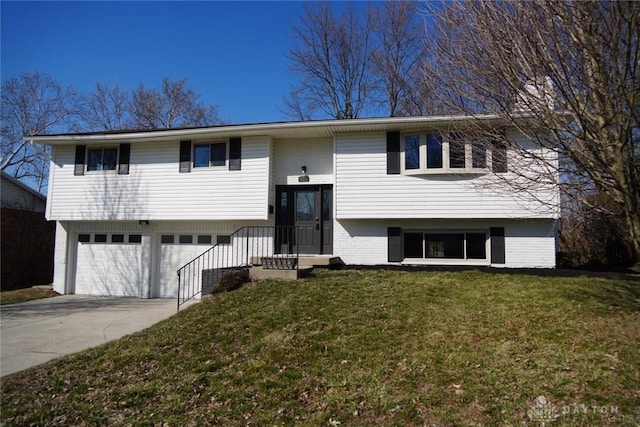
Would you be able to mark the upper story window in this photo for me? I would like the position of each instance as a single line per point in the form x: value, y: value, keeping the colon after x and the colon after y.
x: 450, y: 153
x: 102, y: 159
x: 95, y: 159
x: 434, y: 151
x: 479, y: 156
x: 457, y: 151
x: 207, y: 155
x: 218, y: 154
x: 412, y: 152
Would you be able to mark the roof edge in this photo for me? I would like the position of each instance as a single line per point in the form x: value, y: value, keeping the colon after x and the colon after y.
x: 334, y: 125
x: 22, y: 185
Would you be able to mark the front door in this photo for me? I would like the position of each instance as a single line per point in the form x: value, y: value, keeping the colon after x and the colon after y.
x: 308, y: 209
x: 307, y: 221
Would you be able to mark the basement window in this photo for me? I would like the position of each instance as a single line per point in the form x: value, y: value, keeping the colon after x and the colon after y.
x: 445, y: 246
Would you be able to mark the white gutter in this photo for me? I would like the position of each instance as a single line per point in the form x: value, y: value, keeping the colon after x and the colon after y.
x: 40, y: 150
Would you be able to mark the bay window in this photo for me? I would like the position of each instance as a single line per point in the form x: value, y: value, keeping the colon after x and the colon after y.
x: 454, y: 152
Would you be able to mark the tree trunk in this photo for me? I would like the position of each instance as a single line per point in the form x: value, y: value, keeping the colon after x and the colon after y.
x: 633, y: 224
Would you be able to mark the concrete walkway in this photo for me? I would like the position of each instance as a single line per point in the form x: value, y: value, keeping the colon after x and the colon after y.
x: 37, y: 331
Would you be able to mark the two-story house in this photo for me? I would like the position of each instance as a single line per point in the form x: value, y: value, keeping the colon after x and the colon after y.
x: 132, y: 207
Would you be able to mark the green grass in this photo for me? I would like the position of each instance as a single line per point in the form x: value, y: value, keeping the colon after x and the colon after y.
x: 28, y: 294
x: 359, y: 348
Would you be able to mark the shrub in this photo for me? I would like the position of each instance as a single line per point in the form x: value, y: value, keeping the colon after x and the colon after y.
x: 231, y: 281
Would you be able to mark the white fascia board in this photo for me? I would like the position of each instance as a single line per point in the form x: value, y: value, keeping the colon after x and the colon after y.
x: 323, y: 128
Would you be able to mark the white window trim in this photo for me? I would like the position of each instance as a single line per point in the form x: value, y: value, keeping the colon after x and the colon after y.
x: 445, y: 169
x: 450, y: 261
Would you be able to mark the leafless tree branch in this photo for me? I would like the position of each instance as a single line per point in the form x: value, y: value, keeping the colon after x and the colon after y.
x: 572, y: 67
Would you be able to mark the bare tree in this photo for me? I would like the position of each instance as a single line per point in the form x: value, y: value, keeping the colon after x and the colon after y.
x: 570, y: 69
x: 33, y: 104
x: 107, y: 107
x: 331, y: 56
x: 399, y: 50
x: 175, y: 105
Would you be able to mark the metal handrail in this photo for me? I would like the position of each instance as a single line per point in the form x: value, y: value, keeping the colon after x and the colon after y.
x: 274, y: 246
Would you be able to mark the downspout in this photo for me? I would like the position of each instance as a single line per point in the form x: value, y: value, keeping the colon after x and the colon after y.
x: 40, y: 150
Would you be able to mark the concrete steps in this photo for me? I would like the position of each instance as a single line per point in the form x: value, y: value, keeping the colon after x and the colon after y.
x: 318, y: 261
x: 306, y: 263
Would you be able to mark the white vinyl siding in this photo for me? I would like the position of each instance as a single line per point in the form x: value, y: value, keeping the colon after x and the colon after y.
x: 291, y: 155
x: 364, y: 190
x: 16, y: 197
x: 61, y: 258
x: 155, y: 190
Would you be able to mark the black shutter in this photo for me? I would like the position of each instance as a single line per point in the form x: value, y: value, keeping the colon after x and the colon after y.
x: 497, y: 245
x: 123, y: 161
x: 235, y: 153
x: 81, y: 151
x: 394, y: 244
x: 185, y: 156
x: 393, y: 153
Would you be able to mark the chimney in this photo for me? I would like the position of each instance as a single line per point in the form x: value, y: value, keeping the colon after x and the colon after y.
x: 537, y: 95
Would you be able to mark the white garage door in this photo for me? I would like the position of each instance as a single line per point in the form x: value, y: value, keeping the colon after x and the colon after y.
x: 109, y: 264
x: 174, y: 252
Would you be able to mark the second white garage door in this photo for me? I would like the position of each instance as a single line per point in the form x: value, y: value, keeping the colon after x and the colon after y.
x: 175, y: 251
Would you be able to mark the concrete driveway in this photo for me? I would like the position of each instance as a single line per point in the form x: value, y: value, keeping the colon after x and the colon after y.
x: 34, y: 332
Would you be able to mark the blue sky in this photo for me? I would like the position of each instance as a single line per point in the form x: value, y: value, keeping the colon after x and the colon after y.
x: 232, y: 53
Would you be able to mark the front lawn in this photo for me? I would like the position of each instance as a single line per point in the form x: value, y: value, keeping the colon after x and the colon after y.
x: 361, y: 348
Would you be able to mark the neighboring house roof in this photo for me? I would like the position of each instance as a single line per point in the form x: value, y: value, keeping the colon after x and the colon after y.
x: 15, y: 194
x: 305, y: 129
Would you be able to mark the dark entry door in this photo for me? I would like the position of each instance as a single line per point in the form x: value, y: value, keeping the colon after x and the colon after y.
x: 307, y: 221
x: 308, y: 208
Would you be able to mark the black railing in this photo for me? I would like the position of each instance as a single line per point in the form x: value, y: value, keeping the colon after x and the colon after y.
x: 269, y: 246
